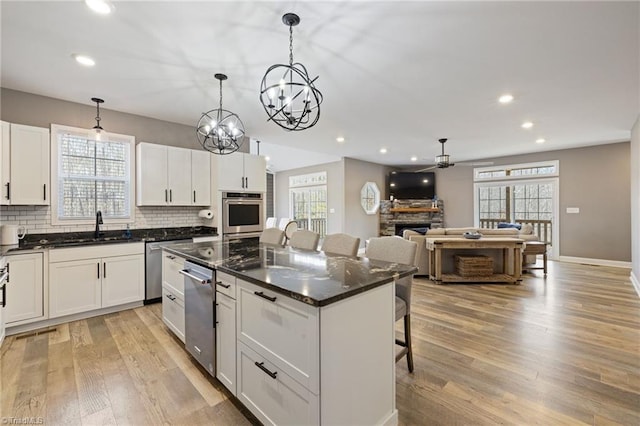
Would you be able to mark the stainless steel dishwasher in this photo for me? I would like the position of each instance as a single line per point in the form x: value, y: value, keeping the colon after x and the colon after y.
x: 153, y: 270
x: 199, y: 314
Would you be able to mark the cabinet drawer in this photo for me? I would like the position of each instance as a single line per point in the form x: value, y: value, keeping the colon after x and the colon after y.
x: 281, y: 329
x: 226, y: 284
x: 278, y: 400
x: 173, y: 313
x: 95, y: 251
x: 171, y: 267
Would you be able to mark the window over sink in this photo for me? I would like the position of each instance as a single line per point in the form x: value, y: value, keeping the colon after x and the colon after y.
x: 90, y: 176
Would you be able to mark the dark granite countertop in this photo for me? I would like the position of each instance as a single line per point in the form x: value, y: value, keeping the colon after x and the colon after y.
x: 311, y: 277
x: 74, y: 239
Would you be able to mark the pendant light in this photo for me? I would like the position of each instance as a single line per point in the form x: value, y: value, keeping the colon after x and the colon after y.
x: 287, y: 93
x: 220, y: 131
x: 97, y: 132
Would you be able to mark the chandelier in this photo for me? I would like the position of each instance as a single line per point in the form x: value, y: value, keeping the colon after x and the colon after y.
x: 220, y: 131
x: 287, y: 93
x: 97, y: 132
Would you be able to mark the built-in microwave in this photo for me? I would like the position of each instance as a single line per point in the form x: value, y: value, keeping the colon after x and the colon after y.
x: 242, y: 212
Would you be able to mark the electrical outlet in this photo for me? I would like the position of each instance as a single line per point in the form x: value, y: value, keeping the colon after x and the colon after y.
x: 573, y: 210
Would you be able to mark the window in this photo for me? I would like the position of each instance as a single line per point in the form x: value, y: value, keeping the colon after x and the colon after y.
x: 522, y: 193
x: 91, y: 176
x: 308, y: 196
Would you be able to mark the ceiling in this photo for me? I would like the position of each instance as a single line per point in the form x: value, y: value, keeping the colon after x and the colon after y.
x: 395, y: 75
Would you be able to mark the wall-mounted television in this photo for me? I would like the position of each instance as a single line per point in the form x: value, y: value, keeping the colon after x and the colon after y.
x: 411, y: 185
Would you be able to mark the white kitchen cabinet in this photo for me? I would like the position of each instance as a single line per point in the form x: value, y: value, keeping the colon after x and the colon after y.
x: 200, y: 178
x: 242, y: 172
x: 25, y: 289
x: 226, y: 330
x: 94, y: 277
x: 25, y: 165
x: 122, y: 280
x: 74, y: 287
x: 173, y: 293
x: 300, y: 364
x: 165, y: 176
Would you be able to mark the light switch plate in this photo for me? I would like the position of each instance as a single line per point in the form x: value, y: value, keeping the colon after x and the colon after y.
x: 332, y: 210
x: 573, y: 209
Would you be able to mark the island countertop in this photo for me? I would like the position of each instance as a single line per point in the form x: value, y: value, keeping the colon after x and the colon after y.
x: 310, y: 277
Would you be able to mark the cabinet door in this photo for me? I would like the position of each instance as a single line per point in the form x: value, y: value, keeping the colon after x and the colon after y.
x: 29, y: 165
x: 151, y: 175
x: 255, y: 172
x: 171, y: 277
x: 200, y: 178
x: 74, y: 287
x: 173, y: 312
x: 5, y: 161
x: 230, y: 172
x: 226, y: 341
x: 273, y: 396
x: 25, y: 288
x: 122, y: 279
x: 179, y: 176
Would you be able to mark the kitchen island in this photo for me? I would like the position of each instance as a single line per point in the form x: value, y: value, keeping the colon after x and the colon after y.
x: 303, y: 338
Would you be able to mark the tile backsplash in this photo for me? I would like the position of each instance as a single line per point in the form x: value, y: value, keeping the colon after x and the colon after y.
x: 37, y: 219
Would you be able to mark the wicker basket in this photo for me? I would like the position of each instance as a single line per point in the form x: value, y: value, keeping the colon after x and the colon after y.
x: 469, y: 266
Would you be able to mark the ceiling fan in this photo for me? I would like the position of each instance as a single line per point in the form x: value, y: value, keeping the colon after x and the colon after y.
x: 442, y: 161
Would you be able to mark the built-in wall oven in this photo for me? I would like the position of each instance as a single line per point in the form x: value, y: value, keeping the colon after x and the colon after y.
x: 242, y: 214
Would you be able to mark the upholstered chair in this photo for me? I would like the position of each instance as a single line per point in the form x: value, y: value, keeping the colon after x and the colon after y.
x: 398, y: 250
x: 274, y: 236
x: 304, y: 239
x: 341, y: 244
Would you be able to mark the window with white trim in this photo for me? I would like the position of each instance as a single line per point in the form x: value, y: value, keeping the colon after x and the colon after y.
x: 91, y: 176
x: 308, y: 197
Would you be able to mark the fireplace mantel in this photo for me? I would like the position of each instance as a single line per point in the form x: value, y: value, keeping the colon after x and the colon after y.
x: 395, y: 214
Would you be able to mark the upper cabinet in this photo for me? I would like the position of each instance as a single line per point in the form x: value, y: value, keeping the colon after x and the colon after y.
x: 242, y: 172
x: 24, y: 166
x: 167, y: 175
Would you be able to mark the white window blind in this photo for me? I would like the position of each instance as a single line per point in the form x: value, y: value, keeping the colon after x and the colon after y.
x: 92, y: 176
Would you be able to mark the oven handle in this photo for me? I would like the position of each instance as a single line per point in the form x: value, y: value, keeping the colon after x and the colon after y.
x: 201, y: 280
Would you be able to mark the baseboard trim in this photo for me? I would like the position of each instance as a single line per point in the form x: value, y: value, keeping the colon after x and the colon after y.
x: 636, y: 283
x: 598, y: 262
x: 17, y: 329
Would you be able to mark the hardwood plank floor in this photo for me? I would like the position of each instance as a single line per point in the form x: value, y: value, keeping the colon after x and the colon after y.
x: 559, y: 350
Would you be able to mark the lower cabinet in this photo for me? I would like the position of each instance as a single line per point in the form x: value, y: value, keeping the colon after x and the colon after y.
x: 173, y: 293
x: 94, y: 277
x: 25, y: 289
x: 271, y: 394
x: 226, y: 341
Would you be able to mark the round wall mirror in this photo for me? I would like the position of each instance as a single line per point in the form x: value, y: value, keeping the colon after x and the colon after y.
x: 370, y: 197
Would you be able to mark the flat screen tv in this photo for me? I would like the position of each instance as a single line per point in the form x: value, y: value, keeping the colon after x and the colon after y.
x: 412, y: 186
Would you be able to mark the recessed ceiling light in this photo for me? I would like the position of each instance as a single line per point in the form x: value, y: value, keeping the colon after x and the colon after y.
x: 505, y: 99
x: 527, y: 125
x: 383, y: 150
x: 85, y: 60
x: 541, y: 140
x: 340, y: 139
x: 102, y: 7
x: 414, y: 158
x: 267, y: 158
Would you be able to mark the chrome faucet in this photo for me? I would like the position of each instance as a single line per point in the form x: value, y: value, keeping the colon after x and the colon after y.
x: 98, y: 223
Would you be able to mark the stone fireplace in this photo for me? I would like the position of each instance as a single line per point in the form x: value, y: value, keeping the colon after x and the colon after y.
x: 400, y: 214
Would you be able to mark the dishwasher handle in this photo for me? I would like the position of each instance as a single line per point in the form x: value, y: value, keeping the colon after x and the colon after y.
x: 201, y: 280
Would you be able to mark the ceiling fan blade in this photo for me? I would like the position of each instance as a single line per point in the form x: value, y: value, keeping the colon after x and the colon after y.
x: 425, y: 169
x: 476, y: 163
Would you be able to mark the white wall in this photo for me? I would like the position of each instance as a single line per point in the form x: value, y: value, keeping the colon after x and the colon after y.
x: 635, y: 205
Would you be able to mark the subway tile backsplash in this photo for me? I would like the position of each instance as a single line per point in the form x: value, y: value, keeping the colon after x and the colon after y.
x: 37, y: 219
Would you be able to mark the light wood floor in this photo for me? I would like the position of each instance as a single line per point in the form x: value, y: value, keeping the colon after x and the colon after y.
x: 560, y: 350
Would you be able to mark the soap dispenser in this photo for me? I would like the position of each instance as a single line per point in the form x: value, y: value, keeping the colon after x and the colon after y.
x: 127, y: 232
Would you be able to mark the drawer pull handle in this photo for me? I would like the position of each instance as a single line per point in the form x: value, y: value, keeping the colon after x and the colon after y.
x: 170, y: 297
x: 171, y: 257
x: 264, y: 296
x: 223, y: 285
x: 261, y: 366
